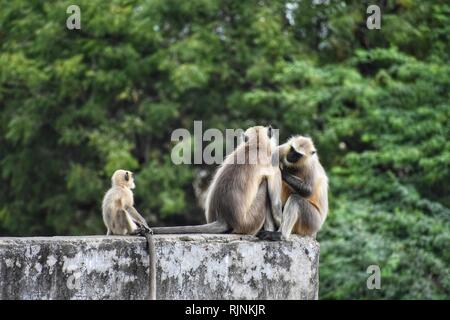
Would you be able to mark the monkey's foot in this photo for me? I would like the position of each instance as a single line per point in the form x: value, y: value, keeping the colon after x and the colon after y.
x: 269, y: 235
x: 140, y: 231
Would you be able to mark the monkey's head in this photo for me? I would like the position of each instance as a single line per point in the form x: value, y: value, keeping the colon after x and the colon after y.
x: 262, y: 136
x: 297, y: 152
x: 123, y: 178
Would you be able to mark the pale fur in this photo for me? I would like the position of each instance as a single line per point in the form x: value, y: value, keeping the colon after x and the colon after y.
x: 121, y: 218
x: 307, y: 168
x: 235, y: 186
x: 115, y: 205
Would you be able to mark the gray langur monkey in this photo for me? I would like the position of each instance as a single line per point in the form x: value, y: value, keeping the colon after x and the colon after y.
x: 304, y: 192
x: 121, y: 218
x: 244, y: 195
x: 119, y: 215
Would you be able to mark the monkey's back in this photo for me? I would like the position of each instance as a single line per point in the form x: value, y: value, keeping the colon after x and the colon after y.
x: 115, y: 199
x: 232, y: 194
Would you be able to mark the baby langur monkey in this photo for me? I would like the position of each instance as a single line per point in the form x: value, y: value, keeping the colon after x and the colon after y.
x: 304, y: 192
x: 119, y: 214
x: 121, y: 218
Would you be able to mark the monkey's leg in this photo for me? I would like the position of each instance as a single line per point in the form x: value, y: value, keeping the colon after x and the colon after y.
x: 129, y: 225
x: 273, y: 208
x: 255, y: 217
x: 108, y: 233
x: 290, y: 217
x: 274, y: 184
x: 310, y: 219
x: 269, y: 223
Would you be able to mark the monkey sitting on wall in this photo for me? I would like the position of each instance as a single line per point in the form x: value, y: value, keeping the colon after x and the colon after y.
x: 119, y: 215
x: 244, y: 195
x: 121, y: 218
x: 304, y: 191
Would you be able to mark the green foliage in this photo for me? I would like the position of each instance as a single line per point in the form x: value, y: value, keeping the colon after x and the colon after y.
x: 76, y: 105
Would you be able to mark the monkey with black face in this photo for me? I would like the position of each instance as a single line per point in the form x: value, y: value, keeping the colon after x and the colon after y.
x: 119, y: 215
x: 304, y: 191
x: 244, y: 195
x: 121, y: 218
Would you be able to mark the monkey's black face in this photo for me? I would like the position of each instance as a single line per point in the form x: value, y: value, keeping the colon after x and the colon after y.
x: 269, y: 132
x: 293, y: 155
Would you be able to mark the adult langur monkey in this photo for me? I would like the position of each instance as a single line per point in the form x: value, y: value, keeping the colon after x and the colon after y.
x: 304, y: 192
x: 244, y: 195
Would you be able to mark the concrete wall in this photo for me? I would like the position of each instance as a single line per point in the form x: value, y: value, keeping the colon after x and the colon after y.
x: 188, y: 267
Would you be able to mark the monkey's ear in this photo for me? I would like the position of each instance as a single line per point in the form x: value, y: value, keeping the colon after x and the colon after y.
x: 244, y: 137
x: 269, y: 131
x: 126, y: 176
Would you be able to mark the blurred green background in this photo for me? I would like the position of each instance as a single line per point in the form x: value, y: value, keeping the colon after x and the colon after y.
x: 77, y: 104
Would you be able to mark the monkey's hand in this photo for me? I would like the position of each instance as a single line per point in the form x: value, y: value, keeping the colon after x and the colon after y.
x: 298, y: 185
x: 269, y: 235
x: 142, y: 231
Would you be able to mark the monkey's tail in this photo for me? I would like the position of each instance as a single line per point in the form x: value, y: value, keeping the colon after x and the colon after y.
x: 213, y: 227
x: 152, y: 264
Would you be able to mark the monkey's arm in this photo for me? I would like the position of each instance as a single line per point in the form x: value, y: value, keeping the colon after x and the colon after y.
x: 299, y: 186
x: 137, y: 218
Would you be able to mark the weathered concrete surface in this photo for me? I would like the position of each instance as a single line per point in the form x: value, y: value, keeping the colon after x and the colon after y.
x: 188, y: 267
